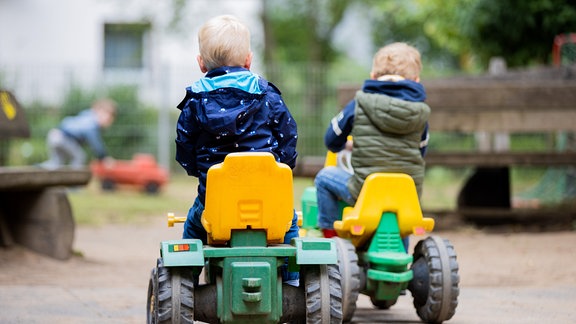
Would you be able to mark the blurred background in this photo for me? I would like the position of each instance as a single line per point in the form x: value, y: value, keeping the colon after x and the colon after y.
x: 57, y: 56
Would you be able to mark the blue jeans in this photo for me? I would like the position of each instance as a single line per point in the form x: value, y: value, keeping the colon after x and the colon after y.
x: 63, y: 150
x: 193, y: 229
x: 331, y: 187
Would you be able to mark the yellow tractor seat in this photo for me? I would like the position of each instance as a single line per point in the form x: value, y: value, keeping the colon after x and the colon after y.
x: 383, y: 192
x: 248, y: 191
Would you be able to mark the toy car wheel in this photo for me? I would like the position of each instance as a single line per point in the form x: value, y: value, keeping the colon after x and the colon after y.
x: 108, y: 185
x: 174, y: 297
x: 350, y: 273
x: 435, y: 283
x: 152, y: 188
x: 323, y: 294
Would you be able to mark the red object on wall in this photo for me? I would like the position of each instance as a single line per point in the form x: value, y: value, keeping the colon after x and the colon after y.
x: 559, y: 41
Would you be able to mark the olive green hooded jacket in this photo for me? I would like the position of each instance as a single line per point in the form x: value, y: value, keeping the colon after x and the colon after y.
x: 387, y: 134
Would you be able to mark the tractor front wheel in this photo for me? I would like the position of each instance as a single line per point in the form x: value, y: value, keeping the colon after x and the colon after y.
x: 350, y: 273
x: 323, y: 294
x: 435, y: 283
x: 171, y: 295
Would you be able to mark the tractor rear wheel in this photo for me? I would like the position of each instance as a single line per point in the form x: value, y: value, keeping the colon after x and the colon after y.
x: 172, y: 295
x: 435, y: 283
x: 151, y: 300
x: 350, y: 273
x: 323, y: 294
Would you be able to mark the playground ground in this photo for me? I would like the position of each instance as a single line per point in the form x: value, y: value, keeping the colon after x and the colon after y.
x: 507, y: 276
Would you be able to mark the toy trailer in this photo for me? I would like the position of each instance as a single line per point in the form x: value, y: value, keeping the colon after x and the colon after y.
x: 249, y: 208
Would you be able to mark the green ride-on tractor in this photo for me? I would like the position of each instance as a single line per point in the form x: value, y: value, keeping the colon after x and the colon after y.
x: 249, y: 207
x: 372, y: 257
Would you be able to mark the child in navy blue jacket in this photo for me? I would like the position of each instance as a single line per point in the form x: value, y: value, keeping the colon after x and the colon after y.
x: 230, y: 110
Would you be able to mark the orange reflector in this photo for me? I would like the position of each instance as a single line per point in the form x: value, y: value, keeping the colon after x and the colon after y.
x: 419, y: 230
x: 181, y: 247
x: 357, y: 230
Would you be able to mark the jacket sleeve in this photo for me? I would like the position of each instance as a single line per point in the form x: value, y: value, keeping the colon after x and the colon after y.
x: 95, y: 142
x: 424, y: 139
x: 284, y: 129
x: 186, y: 138
x: 339, y: 129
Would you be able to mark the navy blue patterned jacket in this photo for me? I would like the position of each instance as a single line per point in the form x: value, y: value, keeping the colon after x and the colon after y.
x: 232, y: 110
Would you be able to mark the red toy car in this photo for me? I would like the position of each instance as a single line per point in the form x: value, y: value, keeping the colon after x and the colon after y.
x: 142, y: 171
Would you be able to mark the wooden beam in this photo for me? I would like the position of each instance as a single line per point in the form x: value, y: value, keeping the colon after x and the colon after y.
x: 500, y: 159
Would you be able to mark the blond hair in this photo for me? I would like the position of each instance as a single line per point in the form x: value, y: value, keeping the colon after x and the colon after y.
x: 224, y: 41
x: 397, y: 59
x: 106, y: 105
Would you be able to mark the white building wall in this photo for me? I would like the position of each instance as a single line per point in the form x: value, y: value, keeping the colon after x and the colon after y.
x: 45, y: 46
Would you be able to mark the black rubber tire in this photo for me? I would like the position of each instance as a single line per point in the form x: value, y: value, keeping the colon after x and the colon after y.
x: 108, y: 185
x: 151, y: 300
x: 435, y: 284
x: 175, y: 295
x: 152, y: 188
x: 323, y: 294
x: 350, y: 273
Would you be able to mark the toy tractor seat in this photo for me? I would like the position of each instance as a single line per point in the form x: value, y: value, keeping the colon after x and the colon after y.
x: 248, y: 191
x: 383, y: 192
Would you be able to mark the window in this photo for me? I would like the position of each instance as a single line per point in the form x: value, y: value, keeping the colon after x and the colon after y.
x: 125, y: 45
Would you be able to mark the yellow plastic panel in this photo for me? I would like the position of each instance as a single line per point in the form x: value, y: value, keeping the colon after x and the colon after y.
x: 248, y: 190
x: 383, y: 192
x: 331, y: 159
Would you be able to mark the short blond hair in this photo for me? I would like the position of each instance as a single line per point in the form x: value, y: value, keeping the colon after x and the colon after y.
x: 106, y: 105
x: 224, y: 41
x: 397, y: 59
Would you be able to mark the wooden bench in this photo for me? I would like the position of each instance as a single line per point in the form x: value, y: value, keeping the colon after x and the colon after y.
x: 537, y: 101
x: 34, y: 207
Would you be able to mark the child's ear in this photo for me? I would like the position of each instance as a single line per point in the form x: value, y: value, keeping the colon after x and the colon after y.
x: 248, y: 61
x: 372, y: 76
x: 201, y: 64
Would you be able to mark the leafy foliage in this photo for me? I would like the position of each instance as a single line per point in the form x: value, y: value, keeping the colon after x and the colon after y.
x: 520, y: 31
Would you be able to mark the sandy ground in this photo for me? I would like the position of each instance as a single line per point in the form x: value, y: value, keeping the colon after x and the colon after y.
x: 506, y: 277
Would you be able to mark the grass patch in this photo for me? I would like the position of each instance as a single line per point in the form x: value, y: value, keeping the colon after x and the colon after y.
x: 92, y: 206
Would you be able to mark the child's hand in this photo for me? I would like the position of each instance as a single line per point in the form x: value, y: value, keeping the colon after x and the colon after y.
x: 349, y: 145
x: 108, y: 162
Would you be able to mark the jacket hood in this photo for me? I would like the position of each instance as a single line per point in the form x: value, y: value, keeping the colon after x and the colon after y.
x: 393, y: 115
x: 404, y: 89
x: 226, y: 100
x: 227, y: 111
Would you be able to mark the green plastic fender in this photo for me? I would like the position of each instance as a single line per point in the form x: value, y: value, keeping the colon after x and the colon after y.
x: 182, y: 253
x: 315, y: 250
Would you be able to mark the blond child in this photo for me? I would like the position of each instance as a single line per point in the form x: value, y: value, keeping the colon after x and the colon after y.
x: 230, y: 110
x: 388, y: 121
